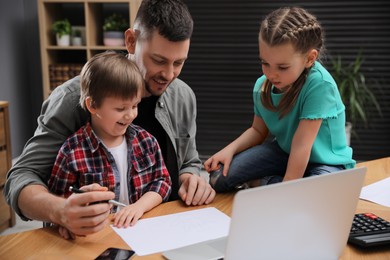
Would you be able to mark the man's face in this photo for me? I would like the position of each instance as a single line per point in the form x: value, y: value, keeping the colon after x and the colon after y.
x: 160, y: 61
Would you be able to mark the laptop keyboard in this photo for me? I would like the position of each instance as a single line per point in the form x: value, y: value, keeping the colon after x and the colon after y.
x: 369, y: 230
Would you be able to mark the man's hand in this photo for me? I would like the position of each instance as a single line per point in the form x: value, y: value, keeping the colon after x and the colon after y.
x: 194, y: 190
x: 79, y: 216
x: 66, y: 233
x: 76, y: 214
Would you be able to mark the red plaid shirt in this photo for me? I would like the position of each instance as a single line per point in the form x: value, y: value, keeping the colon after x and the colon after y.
x: 83, y: 160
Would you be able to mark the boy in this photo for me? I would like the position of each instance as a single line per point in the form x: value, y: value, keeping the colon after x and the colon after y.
x: 109, y: 150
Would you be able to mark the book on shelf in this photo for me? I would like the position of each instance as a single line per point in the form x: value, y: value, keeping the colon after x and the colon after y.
x: 61, y: 72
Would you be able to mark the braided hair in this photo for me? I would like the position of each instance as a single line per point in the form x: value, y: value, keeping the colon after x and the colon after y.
x: 298, y: 27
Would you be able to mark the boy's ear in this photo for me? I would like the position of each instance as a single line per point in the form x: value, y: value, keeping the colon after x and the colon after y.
x: 130, y: 40
x: 90, y: 106
x: 311, y: 57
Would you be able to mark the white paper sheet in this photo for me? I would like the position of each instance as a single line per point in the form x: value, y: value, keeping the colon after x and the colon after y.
x: 378, y: 192
x: 158, y: 234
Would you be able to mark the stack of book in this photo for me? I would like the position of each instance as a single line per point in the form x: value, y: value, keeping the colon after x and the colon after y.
x: 59, y: 73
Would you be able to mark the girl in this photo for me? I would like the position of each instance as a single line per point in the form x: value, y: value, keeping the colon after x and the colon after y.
x: 296, y: 101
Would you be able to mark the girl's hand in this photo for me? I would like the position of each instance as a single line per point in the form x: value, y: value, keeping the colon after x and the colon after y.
x: 128, y: 216
x: 224, y: 157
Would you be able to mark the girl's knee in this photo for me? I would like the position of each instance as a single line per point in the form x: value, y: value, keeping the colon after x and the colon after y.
x: 219, y: 182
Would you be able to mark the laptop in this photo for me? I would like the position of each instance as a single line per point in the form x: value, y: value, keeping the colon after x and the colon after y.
x: 308, y: 218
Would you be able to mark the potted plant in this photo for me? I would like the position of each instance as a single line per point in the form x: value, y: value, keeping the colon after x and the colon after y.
x: 76, y: 38
x: 113, y: 30
x: 354, y: 91
x: 62, y: 29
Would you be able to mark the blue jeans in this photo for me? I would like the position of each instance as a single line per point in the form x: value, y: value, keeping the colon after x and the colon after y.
x: 267, y: 162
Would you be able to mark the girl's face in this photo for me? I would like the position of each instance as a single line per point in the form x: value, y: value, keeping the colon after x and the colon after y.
x: 111, y: 119
x: 282, y: 65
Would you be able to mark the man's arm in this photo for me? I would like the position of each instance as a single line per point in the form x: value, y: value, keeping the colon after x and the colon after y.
x: 72, y: 213
x: 194, y: 188
x: 37, y: 203
x: 60, y: 116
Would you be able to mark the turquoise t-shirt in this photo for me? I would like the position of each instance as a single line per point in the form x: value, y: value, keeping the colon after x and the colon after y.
x: 319, y: 99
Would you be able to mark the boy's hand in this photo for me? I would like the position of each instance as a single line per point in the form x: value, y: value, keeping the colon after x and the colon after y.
x: 128, y: 216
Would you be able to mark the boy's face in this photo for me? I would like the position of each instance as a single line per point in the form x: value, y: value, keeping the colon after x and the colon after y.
x: 111, y: 119
x: 160, y: 61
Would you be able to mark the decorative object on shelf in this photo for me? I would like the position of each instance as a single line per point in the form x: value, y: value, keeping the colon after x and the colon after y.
x: 83, y: 15
x: 114, y: 28
x: 76, y: 38
x: 354, y: 91
x: 62, y: 29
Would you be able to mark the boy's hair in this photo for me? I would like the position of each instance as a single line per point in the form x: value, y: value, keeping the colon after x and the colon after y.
x: 300, y: 28
x: 109, y: 74
x: 171, y: 18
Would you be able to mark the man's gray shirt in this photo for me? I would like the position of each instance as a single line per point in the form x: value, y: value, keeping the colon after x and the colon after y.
x: 61, y: 116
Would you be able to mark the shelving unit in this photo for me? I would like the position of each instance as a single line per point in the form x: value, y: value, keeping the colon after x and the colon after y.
x: 62, y: 63
x: 7, y: 216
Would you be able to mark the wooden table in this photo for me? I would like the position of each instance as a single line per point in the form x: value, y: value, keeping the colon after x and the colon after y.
x: 45, y: 243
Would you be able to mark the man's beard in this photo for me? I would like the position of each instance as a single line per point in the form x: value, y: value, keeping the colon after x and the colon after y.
x: 148, y: 90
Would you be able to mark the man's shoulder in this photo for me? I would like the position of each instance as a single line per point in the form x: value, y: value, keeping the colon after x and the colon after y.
x: 66, y: 95
x: 180, y: 86
x: 179, y: 90
x: 61, y: 110
x: 69, y: 89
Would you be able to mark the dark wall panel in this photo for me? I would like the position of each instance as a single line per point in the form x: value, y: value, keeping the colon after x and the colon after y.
x: 223, y: 63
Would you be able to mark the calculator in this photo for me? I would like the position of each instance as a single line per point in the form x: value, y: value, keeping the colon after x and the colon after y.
x: 369, y: 230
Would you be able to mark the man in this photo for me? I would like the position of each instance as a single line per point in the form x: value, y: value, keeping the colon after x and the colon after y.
x: 159, y: 44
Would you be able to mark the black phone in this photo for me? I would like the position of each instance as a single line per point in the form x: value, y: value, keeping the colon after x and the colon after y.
x: 112, y: 253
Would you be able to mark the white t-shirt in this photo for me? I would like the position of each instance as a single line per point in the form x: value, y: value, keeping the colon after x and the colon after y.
x: 120, y: 155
